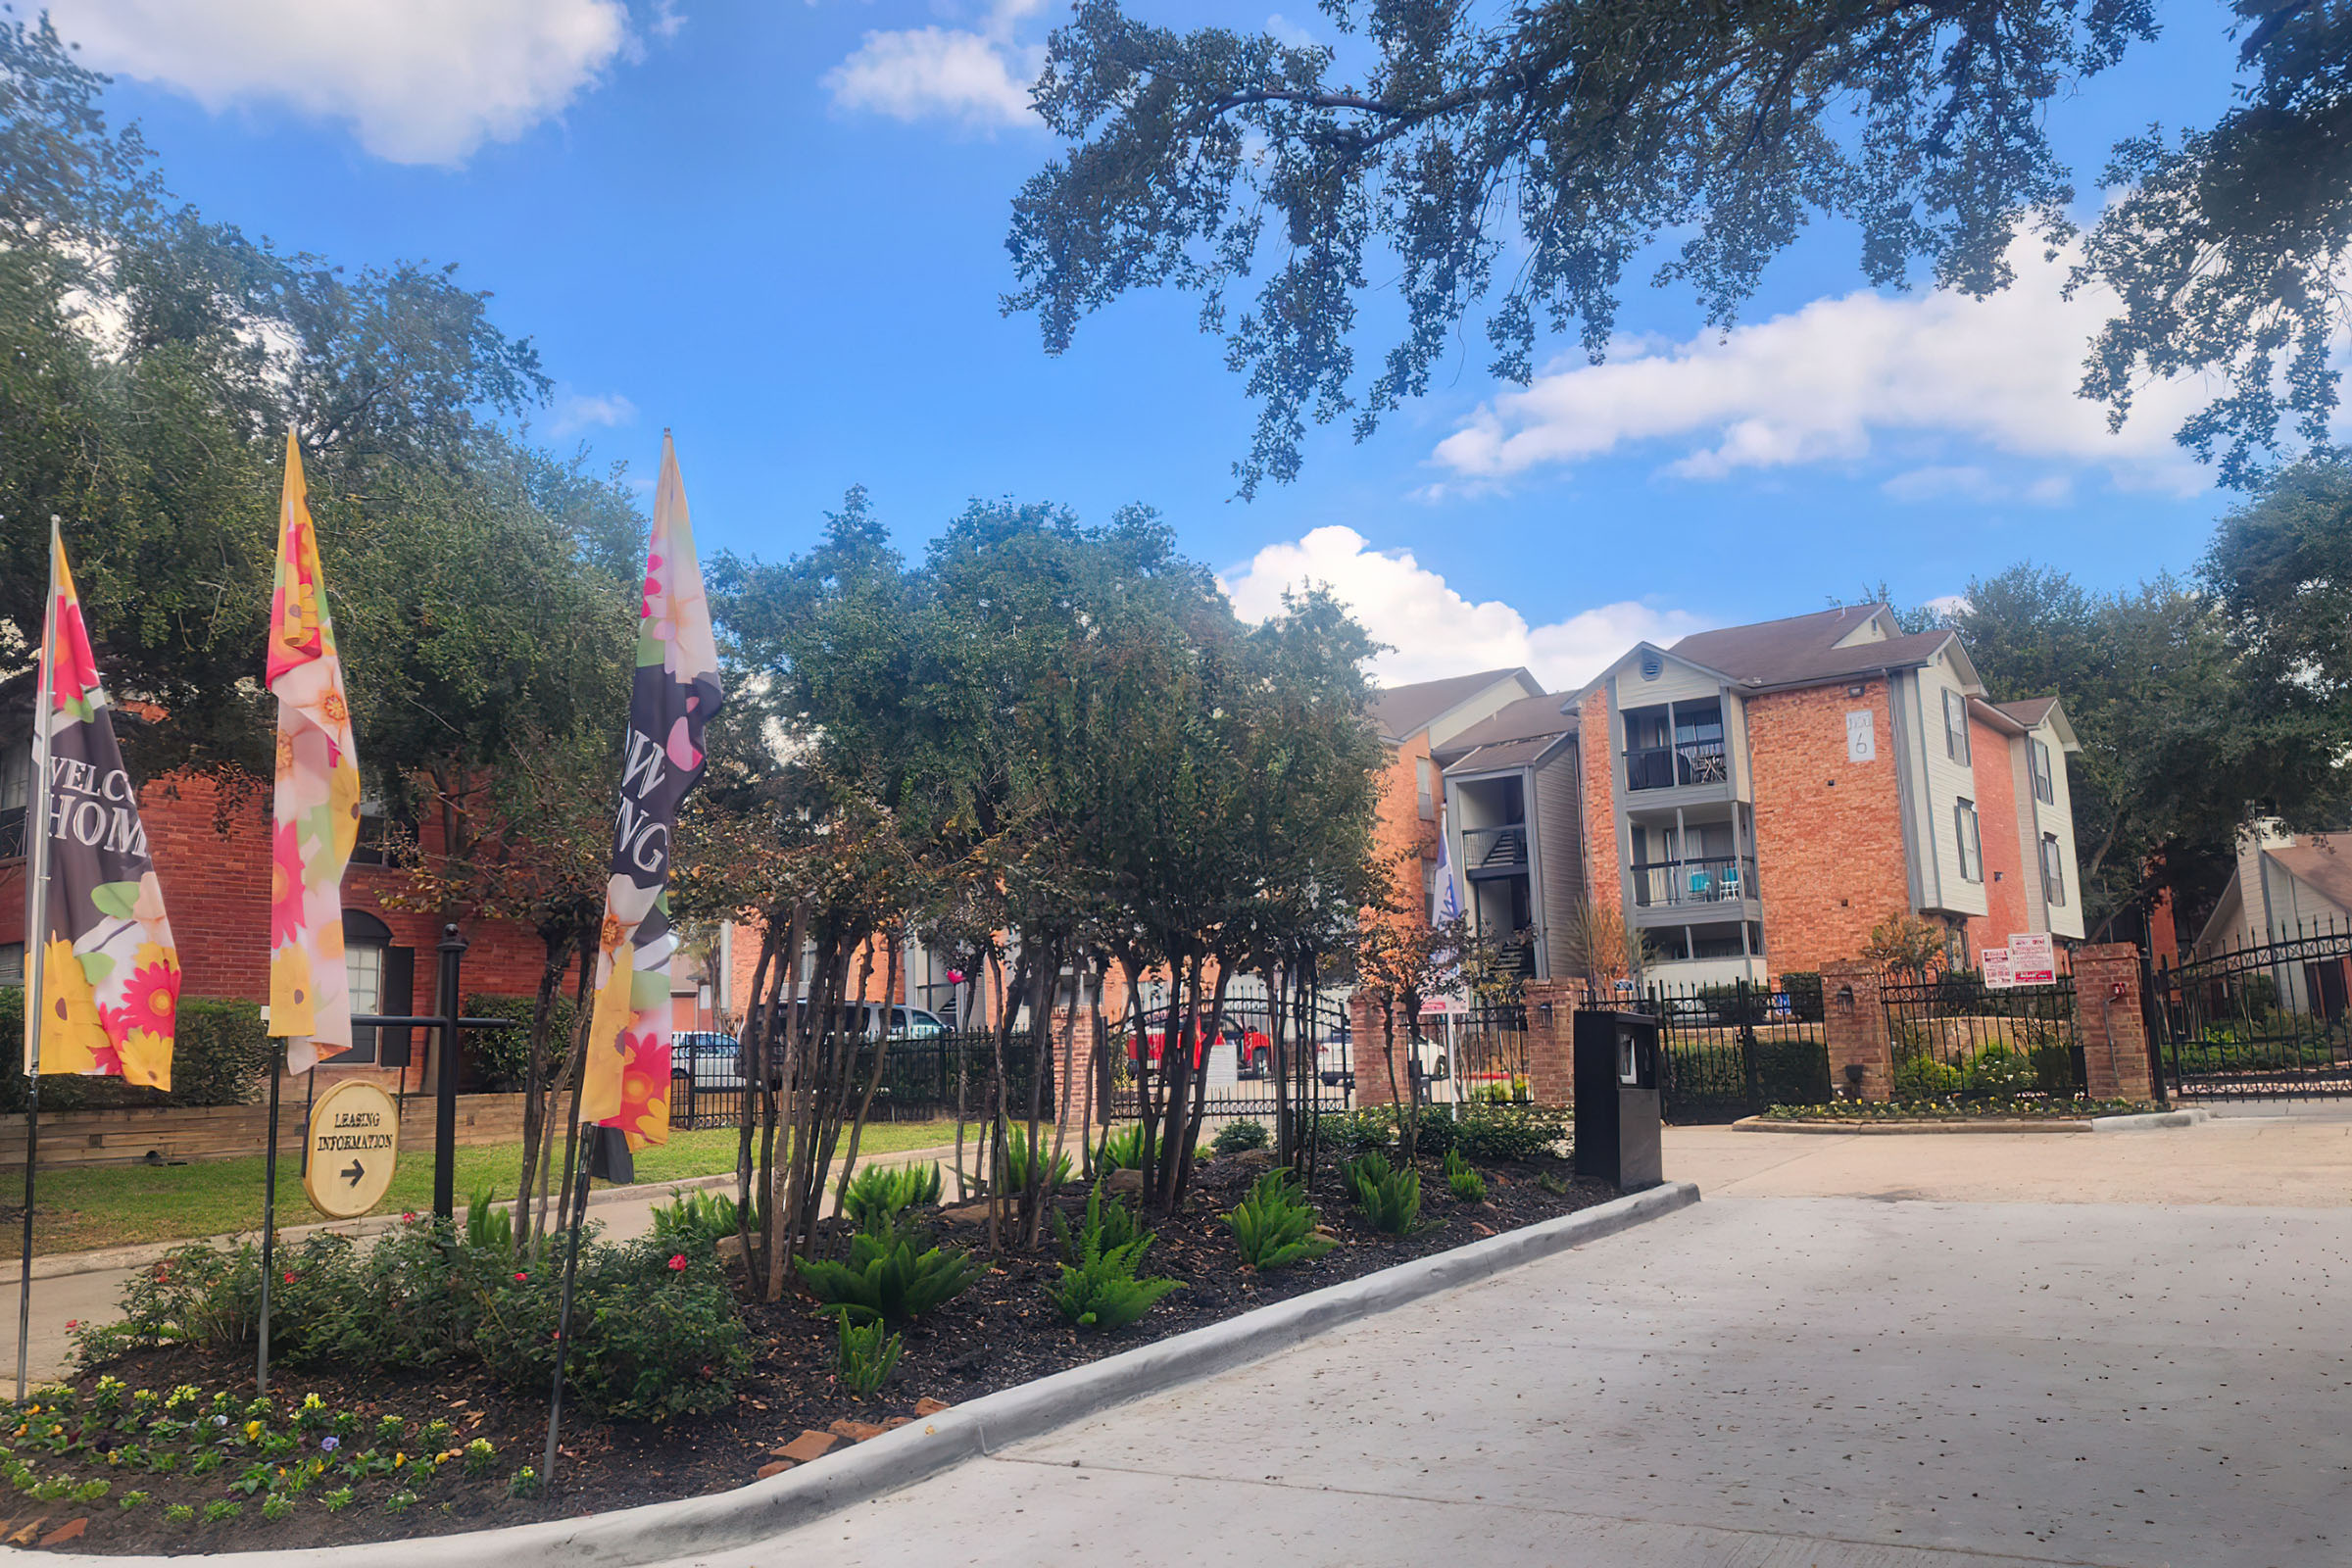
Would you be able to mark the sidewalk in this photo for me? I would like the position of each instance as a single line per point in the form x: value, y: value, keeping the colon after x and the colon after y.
x: 84, y: 1287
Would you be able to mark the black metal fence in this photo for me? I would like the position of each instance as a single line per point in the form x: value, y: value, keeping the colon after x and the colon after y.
x: 1735, y: 1048
x: 1241, y: 1064
x: 922, y: 1078
x: 2257, y: 1020
x: 1953, y: 1037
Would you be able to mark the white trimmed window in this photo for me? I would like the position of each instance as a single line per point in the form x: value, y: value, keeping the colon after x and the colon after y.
x: 1425, y: 787
x: 1955, y: 726
x: 2046, y: 788
x: 2053, y: 871
x: 1972, y: 849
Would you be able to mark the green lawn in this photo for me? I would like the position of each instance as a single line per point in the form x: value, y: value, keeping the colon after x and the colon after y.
x: 120, y: 1206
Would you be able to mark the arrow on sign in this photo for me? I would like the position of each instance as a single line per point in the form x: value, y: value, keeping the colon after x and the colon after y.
x: 354, y: 1174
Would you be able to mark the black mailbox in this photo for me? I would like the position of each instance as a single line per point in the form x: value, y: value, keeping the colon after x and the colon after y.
x: 1617, y: 1100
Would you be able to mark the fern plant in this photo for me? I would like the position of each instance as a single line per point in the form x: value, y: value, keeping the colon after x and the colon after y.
x: 1390, y: 1200
x: 1109, y: 1225
x: 697, y: 1217
x: 1020, y: 1157
x: 880, y: 1192
x: 1121, y: 1150
x: 887, y: 1278
x: 487, y: 1225
x: 1101, y: 1291
x: 1275, y: 1225
x: 1466, y: 1184
x: 865, y: 1358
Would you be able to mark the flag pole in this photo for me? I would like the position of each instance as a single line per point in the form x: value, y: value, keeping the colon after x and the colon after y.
x: 277, y: 1070
x: 36, y: 946
x: 571, y: 1262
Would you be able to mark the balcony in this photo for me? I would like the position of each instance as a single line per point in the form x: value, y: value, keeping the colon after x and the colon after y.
x: 1498, y: 851
x: 1677, y: 884
x: 1664, y: 767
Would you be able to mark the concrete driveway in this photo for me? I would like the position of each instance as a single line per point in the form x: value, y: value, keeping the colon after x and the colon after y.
x: 1832, y: 1381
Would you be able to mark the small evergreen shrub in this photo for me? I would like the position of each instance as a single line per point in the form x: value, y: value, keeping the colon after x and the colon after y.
x: 487, y: 1226
x: 1123, y: 1150
x: 697, y: 1218
x: 1020, y: 1158
x: 887, y: 1277
x: 865, y: 1358
x: 1390, y: 1198
x: 880, y: 1192
x: 1239, y: 1137
x: 1274, y: 1225
x: 1101, y: 1290
x: 1465, y: 1183
x: 1109, y: 1224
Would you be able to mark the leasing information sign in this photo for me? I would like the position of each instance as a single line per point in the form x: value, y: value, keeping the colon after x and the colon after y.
x: 355, y: 1143
x: 2030, y: 961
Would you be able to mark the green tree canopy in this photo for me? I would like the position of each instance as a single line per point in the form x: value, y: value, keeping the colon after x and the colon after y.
x: 1519, y: 160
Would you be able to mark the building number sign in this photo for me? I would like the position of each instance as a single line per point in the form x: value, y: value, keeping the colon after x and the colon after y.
x: 1861, y: 737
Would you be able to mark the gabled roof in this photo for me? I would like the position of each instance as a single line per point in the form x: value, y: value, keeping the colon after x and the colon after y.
x: 1528, y: 719
x: 2018, y: 718
x: 2030, y: 713
x: 1503, y: 754
x: 2323, y: 865
x: 1762, y: 651
x: 1403, y: 712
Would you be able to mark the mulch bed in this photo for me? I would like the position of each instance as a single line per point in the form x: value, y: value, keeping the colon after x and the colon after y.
x: 1001, y: 1333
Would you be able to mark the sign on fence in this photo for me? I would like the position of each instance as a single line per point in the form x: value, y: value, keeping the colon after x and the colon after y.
x: 2000, y: 969
x: 2030, y: 961
x: 355, y: 1143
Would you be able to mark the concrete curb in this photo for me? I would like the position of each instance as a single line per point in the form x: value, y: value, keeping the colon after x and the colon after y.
x: 2149, y: 1121
x: 661, y: 1531
x: 59, y: 1265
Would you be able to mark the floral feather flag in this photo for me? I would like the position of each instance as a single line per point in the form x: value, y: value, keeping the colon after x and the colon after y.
x: 110, y: 976
x: 672, y: 696
x: 315, y: 821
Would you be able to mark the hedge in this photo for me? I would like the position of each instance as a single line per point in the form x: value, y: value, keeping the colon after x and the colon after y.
x: 503, y: 1057
x: 218, y: 1058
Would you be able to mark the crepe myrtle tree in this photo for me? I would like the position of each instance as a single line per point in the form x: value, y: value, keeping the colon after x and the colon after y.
x: 1515, y: 161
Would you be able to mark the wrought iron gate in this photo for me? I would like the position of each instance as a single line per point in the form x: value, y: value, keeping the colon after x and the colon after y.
x: 2265, y: 1020
x: 1738, y: 1049
x: 1953, y: 1037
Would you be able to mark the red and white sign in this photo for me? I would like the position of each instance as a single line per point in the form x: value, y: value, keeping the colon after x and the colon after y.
x: 2001, y: 972
x: 2030, y: 961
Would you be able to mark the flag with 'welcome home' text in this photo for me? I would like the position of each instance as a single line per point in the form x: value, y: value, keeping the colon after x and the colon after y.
x: 673, y: 694
x: 109, y: 972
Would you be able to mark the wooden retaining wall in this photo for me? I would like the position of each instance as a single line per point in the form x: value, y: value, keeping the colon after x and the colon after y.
x: 176, y: 1133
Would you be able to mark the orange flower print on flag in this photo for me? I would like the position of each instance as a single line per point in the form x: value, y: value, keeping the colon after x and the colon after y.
x: 316, y: 801
x: 109, y: 976
x: 672, y: 696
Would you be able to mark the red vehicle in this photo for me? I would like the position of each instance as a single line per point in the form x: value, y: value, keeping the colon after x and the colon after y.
x: 1252, y: 1051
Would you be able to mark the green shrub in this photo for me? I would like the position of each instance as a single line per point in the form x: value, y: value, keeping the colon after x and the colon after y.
x: 1390, y: 1200
x: 278, y: 1506
x: 1099, y: 1291
x: 653, y: 1332
x: 1492, y: 1133
x: 697, y: 1218
x: 1239, y: 1137
x: 1804, y: 990
x: 880, y: 1192
x: 217, y: 1057
x: 178, y: 1514
x: 1923, y: 1077
x: 866, y: 1359
x: 1274, y: 1224
x: 1123, y: 1150
x: 1466, y: 1184
x: 336, y: 1501
x: 1553, y: 1184
x: 503, y: 1057
x: 887, y: 1278
x: 1109, y: 1224
x: 525, y: 1483
x: 1020, y: 1158
x: 1356, y: 1132
x: 1998, y: 1070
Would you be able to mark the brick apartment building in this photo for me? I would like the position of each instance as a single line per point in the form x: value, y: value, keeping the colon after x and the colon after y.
x: 1755, y: 799
x: 213, y: 864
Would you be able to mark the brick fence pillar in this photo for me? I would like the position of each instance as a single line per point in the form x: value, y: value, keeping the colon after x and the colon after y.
x: 2110, y: 1022
x: 1365, y: 1056
x: 1073, y: 1064
x: 1550, y: 1048
x: 1854, y: 1029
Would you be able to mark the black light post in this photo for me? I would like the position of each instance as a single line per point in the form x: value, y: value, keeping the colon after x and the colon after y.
x: 445, y: 1082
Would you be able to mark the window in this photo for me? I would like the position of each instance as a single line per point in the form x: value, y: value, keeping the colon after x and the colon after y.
x: 1972, y: 851
x: 2046, y: 788
x: 2053, y: 871
x: 1425, y: 787
x: 12, y: 963
x: 1429, y: 892
x: 1955, y: 726
x: 15, y: 785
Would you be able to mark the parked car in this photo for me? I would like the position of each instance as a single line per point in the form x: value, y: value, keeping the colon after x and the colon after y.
x: 713, y: 1060
x: 1252, y: 1051
x: 1336, y: 1066
x: 865, y: 1020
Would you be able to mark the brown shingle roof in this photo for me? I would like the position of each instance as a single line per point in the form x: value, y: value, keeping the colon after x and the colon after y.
x: 1528, y: 719
x: 2030, y: 713
x: 2322, y: 862
x: 1756, y: 653
x: 1403, y: 711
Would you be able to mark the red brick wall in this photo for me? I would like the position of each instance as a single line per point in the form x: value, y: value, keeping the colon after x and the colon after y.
x: 1829, y: 831
x: 1401, y: 838
x: 1596, y: 752
x: 217, y: 891
x: 2006, y: 891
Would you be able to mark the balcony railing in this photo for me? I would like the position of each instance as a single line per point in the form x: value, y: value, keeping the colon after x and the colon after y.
x: 1494, y: 851
x: 1662, y: 767
x: 1716, y: 879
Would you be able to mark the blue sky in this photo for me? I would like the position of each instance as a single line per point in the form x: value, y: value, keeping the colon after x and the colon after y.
x: 779, y: 229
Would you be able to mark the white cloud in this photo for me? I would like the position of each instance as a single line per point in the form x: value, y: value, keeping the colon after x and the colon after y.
x: 667, y: 21
x: 426, y: 81
x: 1970, y: 482
x: 1818, y: 384
x: 977, y: 77
x: 1432, y: 629
x: 577, y: 410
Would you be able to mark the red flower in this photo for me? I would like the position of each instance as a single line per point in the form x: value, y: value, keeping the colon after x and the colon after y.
x: 677, y: 1264
x: 408, y: 1218
x: 521, y: 1279
x: 73, y: 1322
x: 285, y: 886
x: 290, y: 1279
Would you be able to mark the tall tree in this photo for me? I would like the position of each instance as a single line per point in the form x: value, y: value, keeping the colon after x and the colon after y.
x: 1519, y: 160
